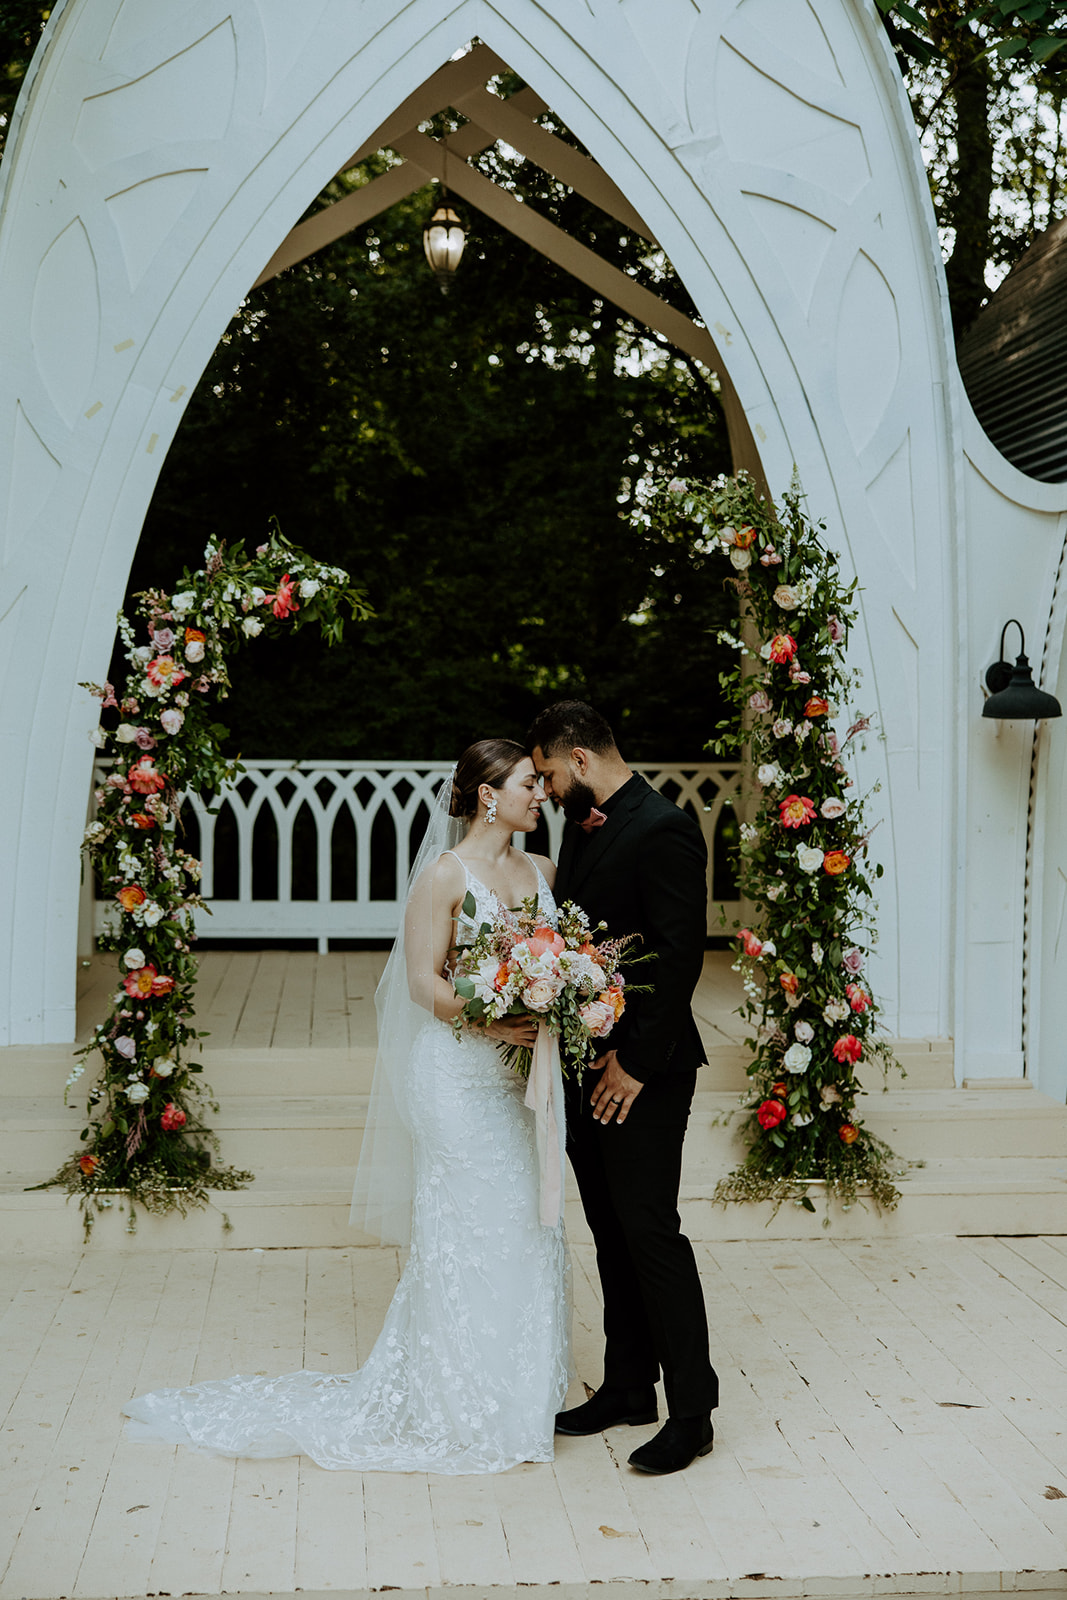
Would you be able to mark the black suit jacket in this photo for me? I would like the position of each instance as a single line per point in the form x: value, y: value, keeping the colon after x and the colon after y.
x: 645, y: 871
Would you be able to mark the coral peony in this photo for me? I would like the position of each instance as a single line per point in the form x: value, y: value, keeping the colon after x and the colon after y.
x: 783, y: 647
x: 139, y: 983
x: 144, y: 777
x: 858, y: 998
x: 847, y: 1048
x: 796, y: 810
x: 544, y: 941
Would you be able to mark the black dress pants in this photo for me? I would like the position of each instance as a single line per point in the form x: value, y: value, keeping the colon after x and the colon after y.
x: 628, y: 1177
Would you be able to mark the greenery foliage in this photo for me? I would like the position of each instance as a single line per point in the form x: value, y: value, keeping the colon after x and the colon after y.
x: 804, y: 861
x: 145, y: 1134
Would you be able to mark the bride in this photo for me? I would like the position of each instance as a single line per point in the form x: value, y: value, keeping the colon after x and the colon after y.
x: 472, y: 1362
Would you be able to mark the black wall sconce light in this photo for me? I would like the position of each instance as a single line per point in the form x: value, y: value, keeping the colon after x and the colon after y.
x: 1013, y: 694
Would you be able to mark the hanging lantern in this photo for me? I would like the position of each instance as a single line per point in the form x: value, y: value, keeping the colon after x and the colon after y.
x: 443, y: 240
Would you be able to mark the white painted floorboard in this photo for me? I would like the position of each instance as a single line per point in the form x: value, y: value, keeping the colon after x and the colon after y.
x: 893, y: 1420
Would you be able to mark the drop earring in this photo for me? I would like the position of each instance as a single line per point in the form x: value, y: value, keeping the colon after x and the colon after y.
x: 490, y: 812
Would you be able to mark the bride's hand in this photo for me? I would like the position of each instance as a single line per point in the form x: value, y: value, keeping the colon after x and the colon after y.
x: 514, y: 1030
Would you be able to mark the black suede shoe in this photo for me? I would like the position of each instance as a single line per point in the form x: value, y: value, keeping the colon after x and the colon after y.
x: 607, y: 1409
x: 678, y: 1442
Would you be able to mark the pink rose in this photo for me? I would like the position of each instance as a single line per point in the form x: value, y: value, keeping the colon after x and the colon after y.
x: 172, y: 719
x: 804, y: 1032
x: 836, y: 629
x: 782, y: 728
x: 540, y: 993
x: 852, y: 960
x: 125, y: 1047
x: 144, y: 740
x: 598, y: 1017
x: 163, y: 638
x: 832, y: 808
x: 760, y: 701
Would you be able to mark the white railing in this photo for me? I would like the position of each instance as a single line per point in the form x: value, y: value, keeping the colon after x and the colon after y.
x: 321, y: 849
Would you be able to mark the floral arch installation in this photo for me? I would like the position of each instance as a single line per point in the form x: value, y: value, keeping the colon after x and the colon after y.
x: 160, y: 156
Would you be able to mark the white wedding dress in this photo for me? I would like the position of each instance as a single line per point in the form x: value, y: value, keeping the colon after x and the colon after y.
x: 472, y: 1362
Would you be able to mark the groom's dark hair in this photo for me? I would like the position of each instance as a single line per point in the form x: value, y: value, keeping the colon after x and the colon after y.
x: 570, y: 725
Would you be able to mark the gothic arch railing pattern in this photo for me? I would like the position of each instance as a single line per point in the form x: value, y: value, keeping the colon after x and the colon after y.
x: 367, y: 793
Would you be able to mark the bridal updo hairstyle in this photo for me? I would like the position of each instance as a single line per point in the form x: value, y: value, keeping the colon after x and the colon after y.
x: 490, y: 761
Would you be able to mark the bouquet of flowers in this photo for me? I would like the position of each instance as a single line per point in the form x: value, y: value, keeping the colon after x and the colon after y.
x: 519, y: 966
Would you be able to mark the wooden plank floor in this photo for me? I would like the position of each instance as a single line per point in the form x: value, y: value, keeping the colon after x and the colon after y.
x: 293, y: 999
x: 893, y: 1420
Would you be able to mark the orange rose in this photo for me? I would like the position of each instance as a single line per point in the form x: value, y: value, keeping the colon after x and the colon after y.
x: 162, y: 985
x: 130, y: 897
x: 192, y: 634
x: 848, y: 1133
x: 781, y: 1090
x: 835, y: 862
x: 139, y: 820
x: 816, y: 706
x: 89, y: 1165
x: 789, y: 982
x: 615, y: 999
x: 744, y: 538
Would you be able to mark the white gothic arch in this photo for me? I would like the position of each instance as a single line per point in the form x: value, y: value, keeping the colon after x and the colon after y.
x: 163, y: 150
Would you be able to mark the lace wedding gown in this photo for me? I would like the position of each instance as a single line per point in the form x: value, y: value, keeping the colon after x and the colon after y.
x: 472, y: 1362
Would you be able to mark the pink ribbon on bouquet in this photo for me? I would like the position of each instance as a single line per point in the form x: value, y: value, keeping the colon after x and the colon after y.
x: 541, y: 1100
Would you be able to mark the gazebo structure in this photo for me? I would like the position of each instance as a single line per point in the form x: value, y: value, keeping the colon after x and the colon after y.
x: 160, y: 160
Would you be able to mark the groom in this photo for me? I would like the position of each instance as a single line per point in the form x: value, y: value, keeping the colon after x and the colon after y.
x: 633, y: 860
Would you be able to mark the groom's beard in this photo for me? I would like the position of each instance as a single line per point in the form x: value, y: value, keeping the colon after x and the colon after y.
x: 577, y: 801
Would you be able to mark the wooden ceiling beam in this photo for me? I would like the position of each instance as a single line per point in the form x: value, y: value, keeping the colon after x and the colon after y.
x: 506, y: 121
x: 455, y: 78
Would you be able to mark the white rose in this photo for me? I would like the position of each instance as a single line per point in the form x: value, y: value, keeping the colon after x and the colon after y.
x: 769, y: 774
x: 163, y: 1069
x: 769, y: 948
x: 98, y: 737
x: 740, y: 558
x: 171, y: 719
x: 182, y: 604
x: 809, y: 857
x: 258, y: 596
x: 134, y: 959
x: 832, y: 808
x: 796, y: 1058
x: 125, y: 733
x: 836, y: 1010
x: 137, y: 1092
x: 151, y: 913
x: 95, y: 830
x: 774, y: 892
x: 194, y: 650
x: 251, y: 626
x: 786, y: 597
x: 804, y: 1032
x: 144, y: 652
x: 309, y: 588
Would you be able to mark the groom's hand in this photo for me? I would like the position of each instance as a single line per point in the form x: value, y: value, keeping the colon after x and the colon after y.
x: 514, y: 1030
x: 614, y: 1091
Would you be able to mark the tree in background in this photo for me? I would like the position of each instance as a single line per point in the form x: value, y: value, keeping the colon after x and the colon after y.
x: 474, y: 460
x: 987, y: 86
